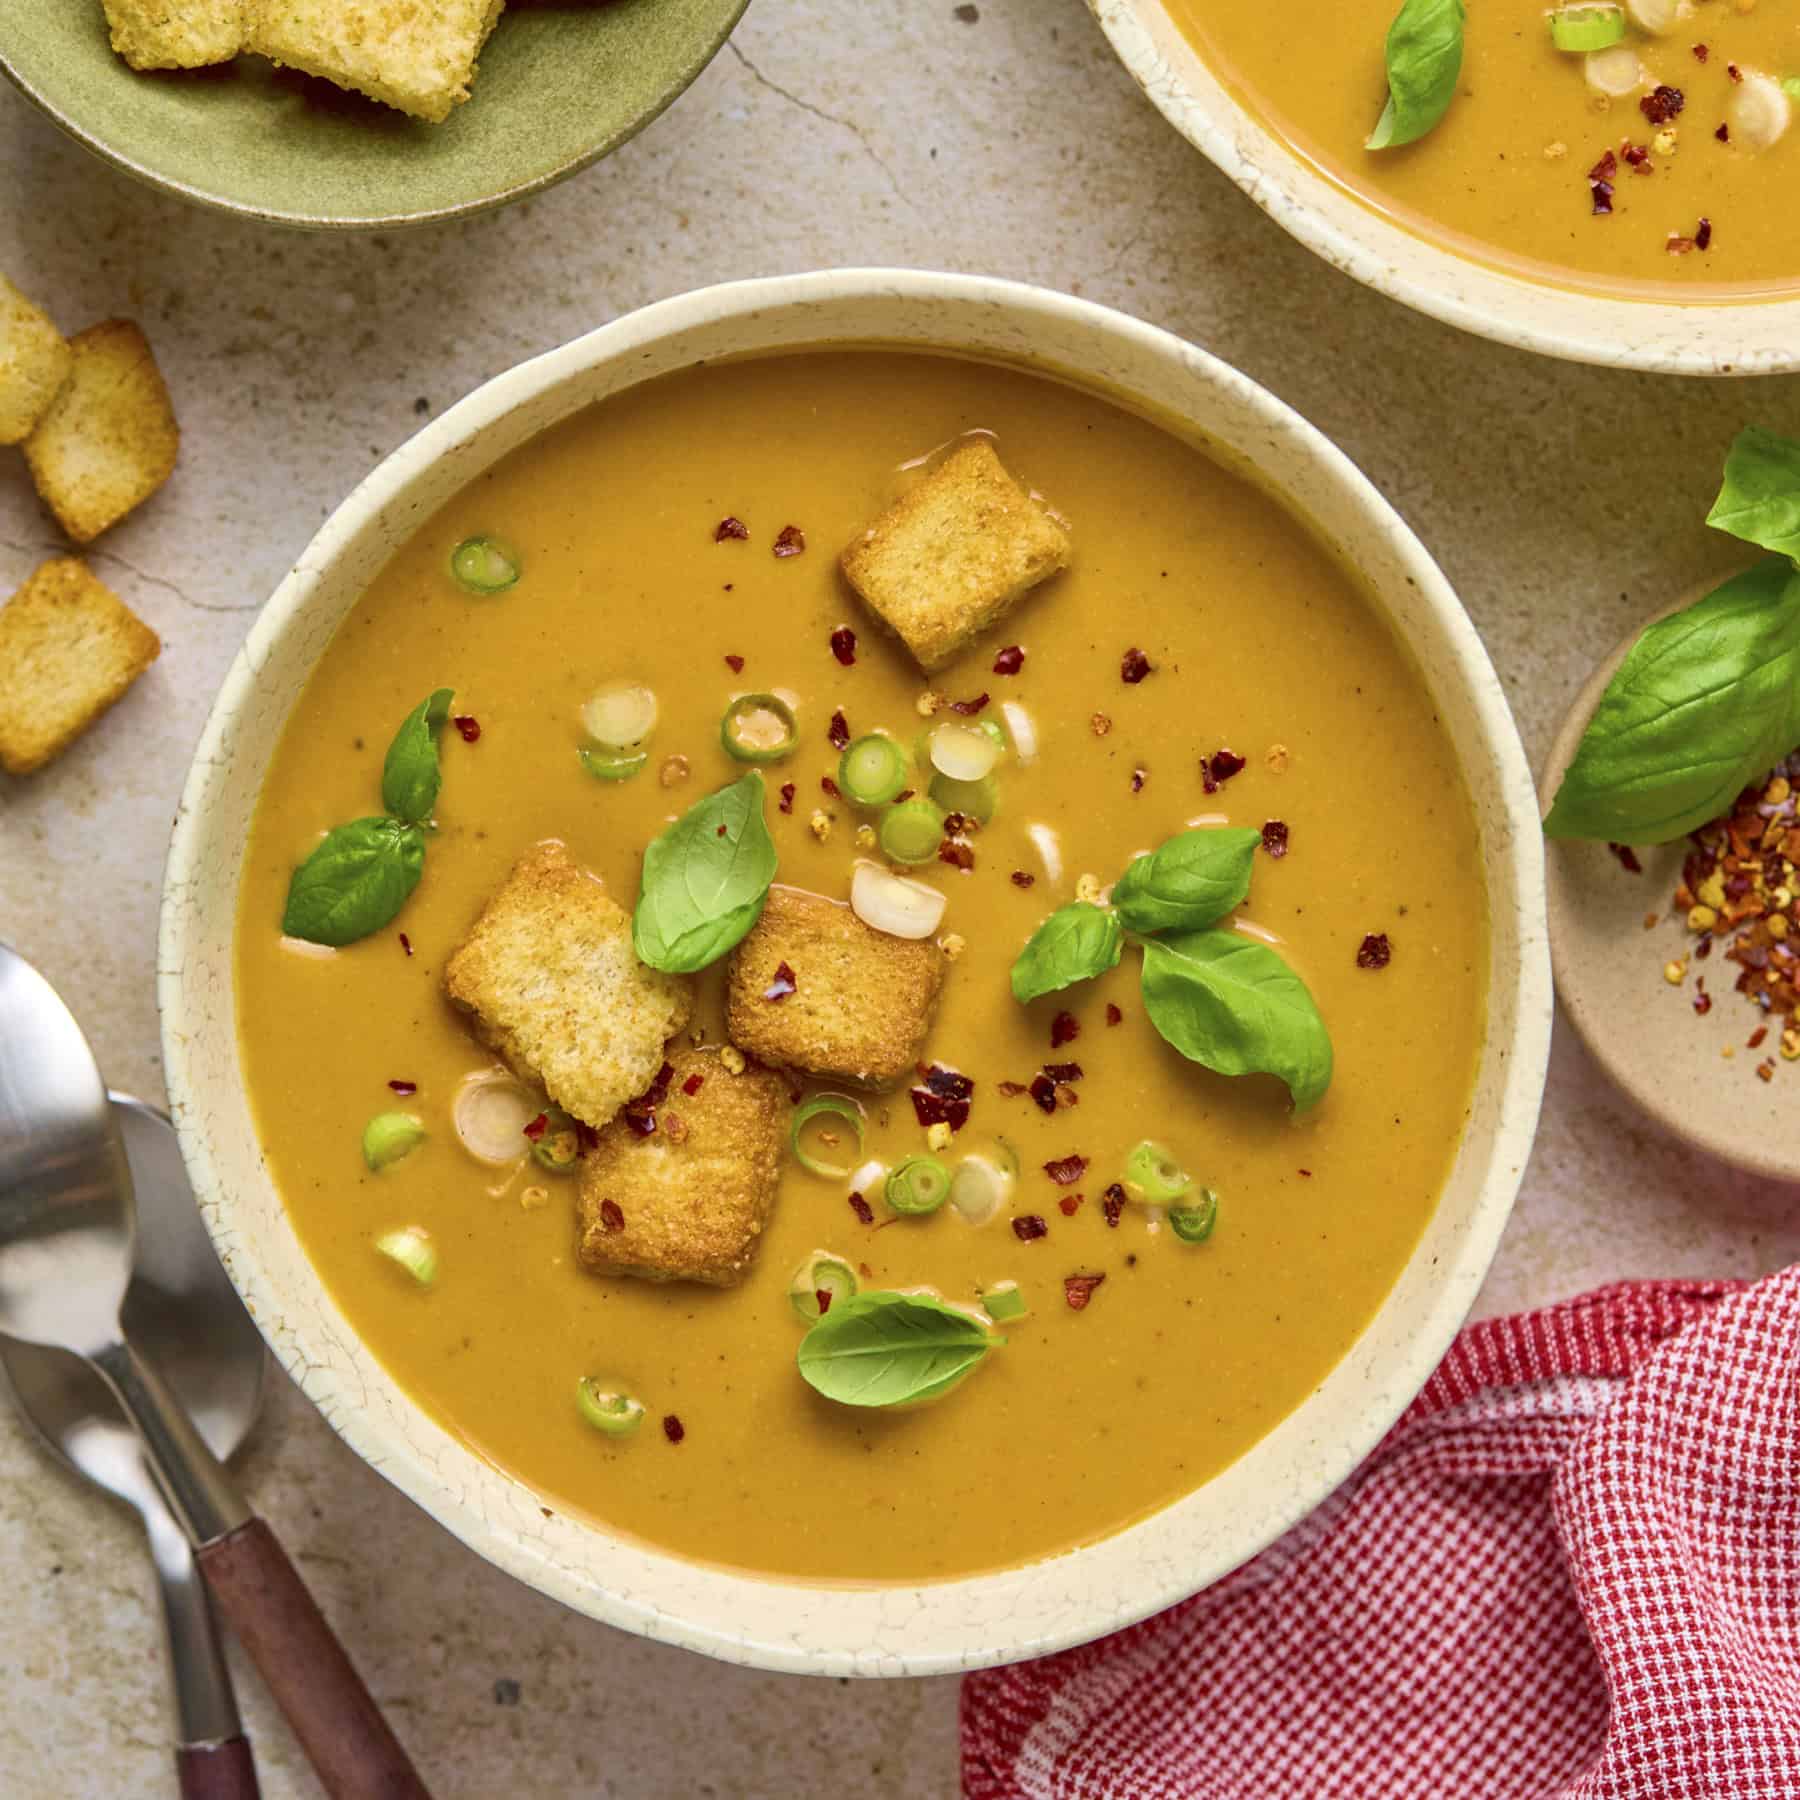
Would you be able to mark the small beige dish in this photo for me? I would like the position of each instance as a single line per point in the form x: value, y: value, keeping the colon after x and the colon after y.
x: 1694, y: 1074
x: 787, y: 1624
x: 1749, y: 337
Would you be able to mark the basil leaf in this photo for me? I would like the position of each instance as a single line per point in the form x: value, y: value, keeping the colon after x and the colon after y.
x: 355, y: 882
x: 705, y: 880
x: 410, y: 775
x: 1760, y: 499
x: 882, y: 1349
x: 1232, y: 1005
x: 1076, y: 943
x: 1192, y: 881
x: 1704, y: 703
x: 1424, y: 60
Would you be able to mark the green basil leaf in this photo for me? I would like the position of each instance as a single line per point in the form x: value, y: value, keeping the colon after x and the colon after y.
x: 1760, y: 499
x: 355, y: 882
x: 883, y: 1349
x: 410, y: 775
x: 705, y: 880
x: 1190, y: 882
x: 1232, y: 1005
x: 1424, y: 61
x: 1704, y: 703
x: 1076, y: 943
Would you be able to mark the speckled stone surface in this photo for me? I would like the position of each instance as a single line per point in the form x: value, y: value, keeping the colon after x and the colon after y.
x: 1560, y: 501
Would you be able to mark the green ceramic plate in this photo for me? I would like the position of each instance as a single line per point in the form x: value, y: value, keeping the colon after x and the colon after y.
x: 562, y: 82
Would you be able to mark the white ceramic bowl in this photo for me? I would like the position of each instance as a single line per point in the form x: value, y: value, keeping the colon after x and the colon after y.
x: 786, y: 1624
x: 1750, y: 337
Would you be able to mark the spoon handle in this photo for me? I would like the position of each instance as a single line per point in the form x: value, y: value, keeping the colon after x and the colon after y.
x: 221, y: 1771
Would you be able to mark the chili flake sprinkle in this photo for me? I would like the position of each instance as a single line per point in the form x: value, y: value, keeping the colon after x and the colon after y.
x: 843, y: 645
x: 1600, y: 182
x: 730, y: 529
x: 1374, y: 952
x: 1065, y: 1028
x: 969, y: 708
x: 538, y: 1126
x: 1138, y: 778
x: 673, y: 1429
x: 1113, y: 1014
x: 783, y: 984
x: 1217, y: 769
x: 862, y: 1209
x: 1065, y: 1171
x: 790, y: 541
x: 406, y: 943
x: 734, y: 663
x: 1022, y: 878
x: 468, y: 728
x: 1112, y: 1203
x: 1275, y: 838
x: 1627, y: 858
x: 1010, y: 660
x: 1078, y: 1290
x: 1029, y: 1227
x: 1662, y: 104
x: 1043, y: 1092
x: 787, y: 796
x: 839, y: 730
x: 612, y: 1216
x: 1069, y: 1205
x: 1134, y: 665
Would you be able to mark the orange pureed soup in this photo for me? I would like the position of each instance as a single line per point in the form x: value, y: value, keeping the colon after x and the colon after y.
x: 1201, y: 663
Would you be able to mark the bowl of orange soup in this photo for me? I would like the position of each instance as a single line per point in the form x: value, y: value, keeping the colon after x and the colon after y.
x: 1604, y: 180
x: 856, y: 972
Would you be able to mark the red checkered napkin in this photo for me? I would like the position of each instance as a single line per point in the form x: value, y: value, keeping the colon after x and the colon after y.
x: 1571, y: 1572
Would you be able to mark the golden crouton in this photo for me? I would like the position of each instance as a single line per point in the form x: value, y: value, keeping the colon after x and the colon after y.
x: 34, y: 363
x: 954, y: 554
x: 108, y: 440
x: 176, y: 34
x: 860, y: 1002
x: 69, y: 647
x: 687, y: 1201
x: 417, y: 56
x: 550, y: 976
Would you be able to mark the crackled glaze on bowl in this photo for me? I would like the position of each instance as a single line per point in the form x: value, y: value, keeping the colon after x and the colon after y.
x: 1746, y: 337
x: 790, y: 1625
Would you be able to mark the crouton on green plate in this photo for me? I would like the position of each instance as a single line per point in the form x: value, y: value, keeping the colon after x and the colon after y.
x: 176, y: 34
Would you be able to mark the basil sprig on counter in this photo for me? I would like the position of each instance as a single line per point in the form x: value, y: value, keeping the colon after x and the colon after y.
x: 705, y: 880
x: 362, y: 873
x: 1424, y: 63
x: 1707, y: 699
x: 1224, y: 1000
x: 887, y: 1349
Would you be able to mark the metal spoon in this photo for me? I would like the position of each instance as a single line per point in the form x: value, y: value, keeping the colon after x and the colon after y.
x: 66, y: 1229
x: 181, y: 1304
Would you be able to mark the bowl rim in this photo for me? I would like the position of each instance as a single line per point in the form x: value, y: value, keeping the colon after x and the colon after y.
x: 1606, y: 330
x: 875, y: 1621
x: 705, y: 50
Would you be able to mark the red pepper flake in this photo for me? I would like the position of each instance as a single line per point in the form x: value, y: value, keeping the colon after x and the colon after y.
x: 1112, y: 1203
x: 640, y: 1118
x: 720, y: 832
x: 1070, y: 1204
x: 1029, y: 1227
x: 843, y: 645
x: 410, y: 1087
x: 1765, y: 1070
x: 1065, y: 1171
x: 1701, y: 52
x: 822, y: 1296
x: 1307, y: 1173
x: 790, y: 541
x: 839, y: 730
x: 1638, y: 156
x: 1113, y: 1015
x: 406, y: 943
x: 735, y: 664
x: 1065, y: 1028
x: 1374, y: 952
x: 538, y: 1127
x: 1022, y: 878
x: 693, y: 1085
x: 1060, y: 1072
x: 1134, y: 665
x: 958, y: 855
x: 1603, y: 197
x: 1078, y: 1290
x: 1219, y: 768
x: 860, y: 1207
x: 1275, y: 838
x: 1734, y: 72
x: 943, y: 1099
x: 1043, y: 1091
x: 783, y: 984
x: 1627, y: 858
x: 1138, y: 778
x: 1010, y: 660
x: 787, y: 796
x: 468, y: 728
x: 1600, y: 180
x: 960, y: 825
x: 830, y: 788
x: 1662, y: 104
x: 1012, y: 1089
x: 1703, y: 1003
x: 612, y: 1216
x: 1703, y: 235
x: 673, y: 1429
x: 728, y: 529
x: 1723, y: 134
x: 1756, y: 1038
x: 1678, y: 245
x: 904, y: 795
x: 969, y: 708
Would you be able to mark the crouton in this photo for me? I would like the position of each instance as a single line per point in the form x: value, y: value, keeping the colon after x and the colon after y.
x: 108, y: 440
x: 954, y: 554
x: 861, y: 1002
x: 69, y: 647
x: 34, y: 363
x: 176, y: 34
x: 416, y: 56
x: 687, y: 1201
x: 549, y: 975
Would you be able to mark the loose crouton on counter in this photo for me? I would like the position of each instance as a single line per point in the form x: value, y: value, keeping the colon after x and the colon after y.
x: 812, y: 987
x: 69, y: 647
x: 687, y: 1201
x: 405, y: 53
x: 176, y: 34
x: 34, y: 363
x: 549, y: 975
x: 108, y: 440
x: 955, y: 554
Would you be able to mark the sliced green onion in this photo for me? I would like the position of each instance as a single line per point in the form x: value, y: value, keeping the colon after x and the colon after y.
x: 759, y: 728
x: 484, y: 565
x: 872, y: 770
x: 389, y: 1136
x: 1790, y: 85
x: 966, y: 752
x: 981, y: 1186
x: 1194, y: 1224
x: 620, y: 716
x: 838, y: 1106
x: 992, y: 728
x: 608, y: 1410
x: 558, y: 1146
x: 1004, y: 1302
x: 978, y: 800
x: 920, y: 1184
x: 1153, y: 1174
x: 413, y: 1250
x: 912, y: 831
x: 613, y: 765
x: 821, y: 1273
x: 1582, y: 28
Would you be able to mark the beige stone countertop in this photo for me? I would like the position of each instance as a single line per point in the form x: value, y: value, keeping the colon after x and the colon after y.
x: 999, y: 137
